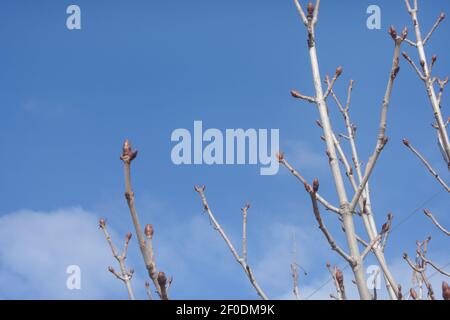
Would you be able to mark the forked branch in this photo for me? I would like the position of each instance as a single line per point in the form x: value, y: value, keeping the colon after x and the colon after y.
x: 125, y: 274
x: 241, y: 260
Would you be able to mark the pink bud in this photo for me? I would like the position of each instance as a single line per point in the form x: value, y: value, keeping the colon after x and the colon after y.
x: 316, y: 185
x: 149, y: 230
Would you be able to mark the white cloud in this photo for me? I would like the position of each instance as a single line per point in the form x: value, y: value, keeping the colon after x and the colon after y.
x: 37, y: 247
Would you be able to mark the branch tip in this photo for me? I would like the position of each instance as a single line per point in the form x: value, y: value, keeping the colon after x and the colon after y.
x: 128, y: 154
x: 280, y: 156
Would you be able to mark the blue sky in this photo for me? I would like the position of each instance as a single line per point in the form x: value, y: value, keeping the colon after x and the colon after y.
x: 69, y: 98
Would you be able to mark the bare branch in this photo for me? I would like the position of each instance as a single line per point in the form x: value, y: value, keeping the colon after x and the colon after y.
x: 241, y: 261
x: 301, y: 12
x: 337, y: 73
x: 444, y: 142
x: 382, y: 139
x: 411, y: 264
x: 124, y: 275
x: 370, y: 246
x: 128, y: 155
x: 312, y: 192
x: 431, y: 263
x: 411, y: 43
x: 427, y: 164
x: 437, y: 224
x: 338, y: 280
x: 297, y: 95
x: 295, y: 289
x: 295, y: 173
x: 244, y: 231
x: 411, y: 62
x: 435, y: 26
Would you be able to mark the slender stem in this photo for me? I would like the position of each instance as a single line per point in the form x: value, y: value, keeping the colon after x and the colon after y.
x: 382, y: 139
x: 124, y: 275
x: 127, y: 157
x: 241, y: 261
x: 442, y: 131
x: 295, y: 289
x: 436, y: 223
x: 347, y: 215
x: 244, y: 231
x: 427, y: 164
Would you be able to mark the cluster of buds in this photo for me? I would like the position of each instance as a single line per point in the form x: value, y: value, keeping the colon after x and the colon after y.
x: 394, y: 34
x: 128, y: 154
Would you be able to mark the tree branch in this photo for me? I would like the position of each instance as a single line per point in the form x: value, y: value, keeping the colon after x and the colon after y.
x: 295, y: 173
x: 312, y: 192
x: 124, y: 275
x: 128, y: 155
x: 382, y: 139
x: 436, y: 223
x: 241, y: 261
x: 435, y: 26
x: 427, y: 164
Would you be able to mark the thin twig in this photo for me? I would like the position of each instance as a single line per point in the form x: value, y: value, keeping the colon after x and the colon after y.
x: 296, y: 174
x: 437, y: 224
x: 125, y: 274
x: 382, y: 139
x: 241, y: 261
x: 128, y: 155
x: 312, y: 192
x: 435, y: 26
x: 426, y: 163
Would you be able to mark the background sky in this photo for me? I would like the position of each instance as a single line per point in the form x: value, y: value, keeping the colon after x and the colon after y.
x: 141, y: 69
